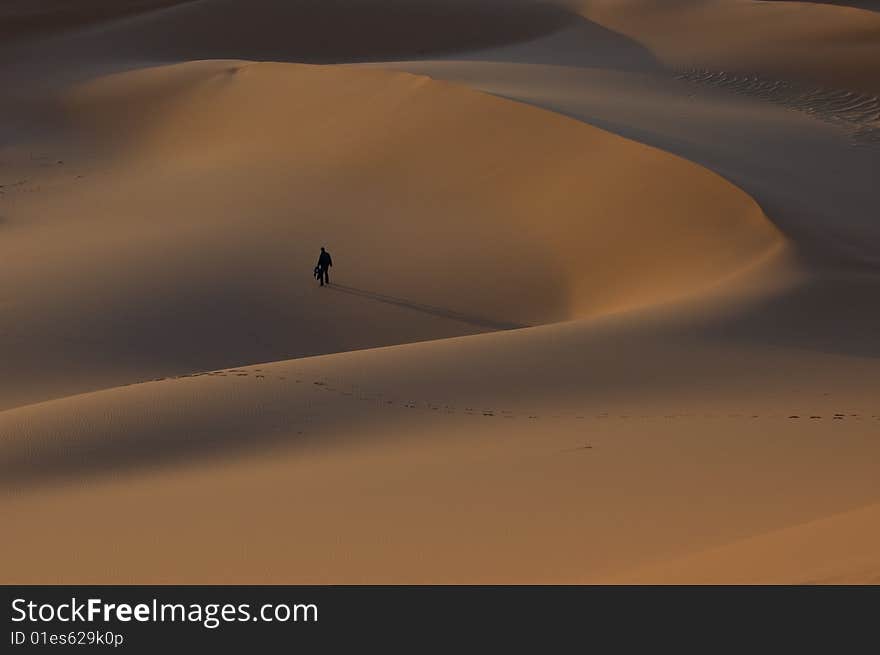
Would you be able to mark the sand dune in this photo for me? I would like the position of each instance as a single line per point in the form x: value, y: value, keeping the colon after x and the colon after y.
x: 834, y: 46
x: 637, y: 363
x: 208, y: 194
x: 612, y: 322
x: 370, y: 458
x: 804, y: 171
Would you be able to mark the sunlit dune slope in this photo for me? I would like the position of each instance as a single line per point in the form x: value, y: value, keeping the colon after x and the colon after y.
x: 832, y: 45
x: 176, y: 212
x: 840, y: 549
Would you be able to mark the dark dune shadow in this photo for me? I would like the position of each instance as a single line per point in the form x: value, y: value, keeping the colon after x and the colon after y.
x: 318, y: 31
x: 477, y: 321
x: 24, y: 18
x: 144, y: 449
x: 838, y: 315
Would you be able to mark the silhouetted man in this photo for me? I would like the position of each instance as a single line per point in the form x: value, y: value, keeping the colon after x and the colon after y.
x: 324, y: 264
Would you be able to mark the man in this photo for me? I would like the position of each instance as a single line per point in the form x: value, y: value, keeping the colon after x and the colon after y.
x: 323, y: 267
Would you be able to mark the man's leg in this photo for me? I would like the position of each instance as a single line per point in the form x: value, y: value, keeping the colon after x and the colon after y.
x: 326, y: 276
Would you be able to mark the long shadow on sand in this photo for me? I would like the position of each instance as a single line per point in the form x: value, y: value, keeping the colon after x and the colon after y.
x: 838, y: 314
x: 442, y: 312
x: 143, y: 447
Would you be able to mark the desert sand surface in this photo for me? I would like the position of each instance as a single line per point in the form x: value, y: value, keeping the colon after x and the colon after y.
x: 603, y: 309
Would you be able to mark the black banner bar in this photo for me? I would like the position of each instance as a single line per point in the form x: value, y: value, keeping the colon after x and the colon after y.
x: 144, y: 618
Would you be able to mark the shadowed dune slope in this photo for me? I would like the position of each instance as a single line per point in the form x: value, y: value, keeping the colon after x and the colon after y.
x: 315, y: 30
x: 167, y: 205
x: 26, y: 18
